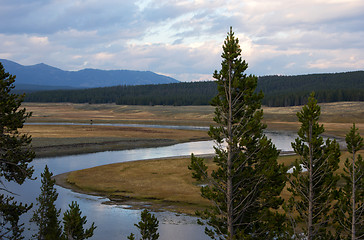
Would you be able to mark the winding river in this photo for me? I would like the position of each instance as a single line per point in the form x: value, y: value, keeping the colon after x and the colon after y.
x: 117, y: 222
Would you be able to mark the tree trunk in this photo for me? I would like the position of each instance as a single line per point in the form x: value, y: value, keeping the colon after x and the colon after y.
x: 229, y: 195
x: 353, y: 233
x: 310, y: 190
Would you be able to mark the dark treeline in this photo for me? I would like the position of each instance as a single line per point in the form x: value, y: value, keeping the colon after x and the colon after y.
x: 278, y: 91
x: 194, y: 93
x: 294, y: 90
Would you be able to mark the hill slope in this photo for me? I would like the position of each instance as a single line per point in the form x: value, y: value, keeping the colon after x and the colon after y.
x: 42, y: 76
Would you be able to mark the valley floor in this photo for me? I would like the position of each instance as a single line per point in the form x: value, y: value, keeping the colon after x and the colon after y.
x: 55, y: 140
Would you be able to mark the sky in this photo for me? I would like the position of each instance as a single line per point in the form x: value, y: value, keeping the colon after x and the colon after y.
x: 183, y: 39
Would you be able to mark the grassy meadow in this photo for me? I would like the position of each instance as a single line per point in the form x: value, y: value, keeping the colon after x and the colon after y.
x: 336, y: 117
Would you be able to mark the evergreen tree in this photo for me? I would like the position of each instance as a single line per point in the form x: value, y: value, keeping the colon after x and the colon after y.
x: 148, y: 227
x: 312, y: 191
x: 73, y: 224
x: 46, y: 216
x: 10, y: 212
x: 350, y: 206
x: 131, y: 236
x: 15, y: 155
x: 246, y: 186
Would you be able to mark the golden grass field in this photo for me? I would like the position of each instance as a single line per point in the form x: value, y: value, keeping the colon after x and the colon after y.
x: 163, y: 181
x: 167, y: 183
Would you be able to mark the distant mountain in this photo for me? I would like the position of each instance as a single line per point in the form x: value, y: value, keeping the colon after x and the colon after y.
x: 42, y: 77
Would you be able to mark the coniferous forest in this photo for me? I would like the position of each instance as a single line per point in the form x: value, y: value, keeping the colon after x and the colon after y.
x: 278, y: 91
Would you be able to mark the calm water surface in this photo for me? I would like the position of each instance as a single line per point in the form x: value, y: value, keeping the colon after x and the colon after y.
x: 117, y: 222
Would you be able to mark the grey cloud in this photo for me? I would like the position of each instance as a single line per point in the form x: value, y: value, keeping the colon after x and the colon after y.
x: 46, y: 17
x: 282, y: 37
x: 162, y: 13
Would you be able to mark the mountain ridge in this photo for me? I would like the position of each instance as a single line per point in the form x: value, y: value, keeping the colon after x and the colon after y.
x: 46, y: 76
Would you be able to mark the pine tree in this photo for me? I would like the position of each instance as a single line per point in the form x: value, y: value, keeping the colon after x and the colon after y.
x: 131, y: 236
x: 73, y: 224
x: 246, y: 186
x: 15, y: 155
x: 46, y: 216
x: 148, y: 227
x: 350, y: 206
x: 312, y: 191
x: 10, y: 212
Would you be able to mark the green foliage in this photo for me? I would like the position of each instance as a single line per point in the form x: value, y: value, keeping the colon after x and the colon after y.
x: 246, y: 186
x: 15, y: 155
x: 15, y: 151
x: 148, y: 227
x: 131, y: 236
x: 10, y: 212
x: 295, y: 90
x: 312, y: 191
x: 349, y: 208
x: 194, y: 93
x: 46, y: 216
x: 73, y: 224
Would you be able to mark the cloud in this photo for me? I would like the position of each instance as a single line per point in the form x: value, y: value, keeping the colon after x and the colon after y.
x: 48, y: 17
x: 183, y: 38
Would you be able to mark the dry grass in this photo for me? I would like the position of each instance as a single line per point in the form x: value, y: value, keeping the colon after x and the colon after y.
x: 77, y: 131
x: 336, y: 117
x: 162, y: 180
x: 53, y: 140
x: 111, y: 113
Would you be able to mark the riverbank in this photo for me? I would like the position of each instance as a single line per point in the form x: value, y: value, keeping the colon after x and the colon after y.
x: 158, y: 184
x: 60, y: 140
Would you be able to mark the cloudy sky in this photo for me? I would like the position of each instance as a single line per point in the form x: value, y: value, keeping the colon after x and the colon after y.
x: 183, y: 38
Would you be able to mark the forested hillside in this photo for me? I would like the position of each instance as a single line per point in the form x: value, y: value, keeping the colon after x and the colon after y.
x: 195, y: 93
x: 278, y: 91
x: 294, y: 90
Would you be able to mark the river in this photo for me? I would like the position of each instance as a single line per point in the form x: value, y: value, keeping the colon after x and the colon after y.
x: 117, y: 222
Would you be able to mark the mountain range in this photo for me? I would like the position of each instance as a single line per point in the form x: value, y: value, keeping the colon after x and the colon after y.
x: 44, y: 77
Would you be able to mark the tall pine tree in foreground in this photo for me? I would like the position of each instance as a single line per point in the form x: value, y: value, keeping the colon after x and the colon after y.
x: 246, y: 186
x: 73, y: 224
x: 46, y: 216
x: 349, y: 209
x: 311, y: 199
x: 15, y: 155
